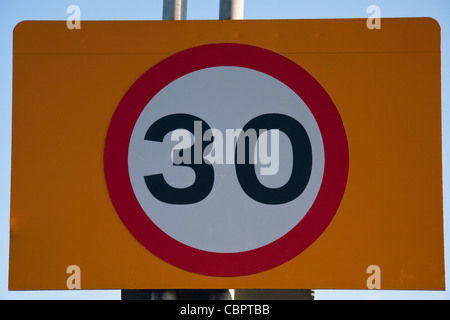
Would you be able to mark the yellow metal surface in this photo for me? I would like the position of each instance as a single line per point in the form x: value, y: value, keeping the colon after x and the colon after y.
x: 385, y: 84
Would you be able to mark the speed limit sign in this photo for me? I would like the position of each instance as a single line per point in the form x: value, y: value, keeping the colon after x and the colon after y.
x: 216, y: 211
x: 276, y: 154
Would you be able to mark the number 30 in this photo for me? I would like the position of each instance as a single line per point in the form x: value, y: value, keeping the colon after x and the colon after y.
x: 246, y: 174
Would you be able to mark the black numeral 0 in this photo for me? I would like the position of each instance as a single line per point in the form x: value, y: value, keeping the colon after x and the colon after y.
x: 301, y: 167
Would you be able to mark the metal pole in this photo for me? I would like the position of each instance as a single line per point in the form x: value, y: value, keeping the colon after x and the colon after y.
x: 231, y: 10
x: 174, y: 10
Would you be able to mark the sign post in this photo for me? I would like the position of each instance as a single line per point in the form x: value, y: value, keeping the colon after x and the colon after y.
x: 231, y: 10
x: 174, y: 9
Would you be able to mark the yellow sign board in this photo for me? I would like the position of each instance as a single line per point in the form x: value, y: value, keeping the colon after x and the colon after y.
x: 92, y: 105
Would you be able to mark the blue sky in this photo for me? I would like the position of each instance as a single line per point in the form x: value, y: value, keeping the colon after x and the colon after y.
x: 14, y: 11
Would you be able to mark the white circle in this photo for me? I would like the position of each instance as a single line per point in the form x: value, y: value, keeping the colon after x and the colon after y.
x: 227, y: 220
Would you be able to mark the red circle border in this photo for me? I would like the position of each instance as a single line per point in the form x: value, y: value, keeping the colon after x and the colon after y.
x: 253, y: 261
